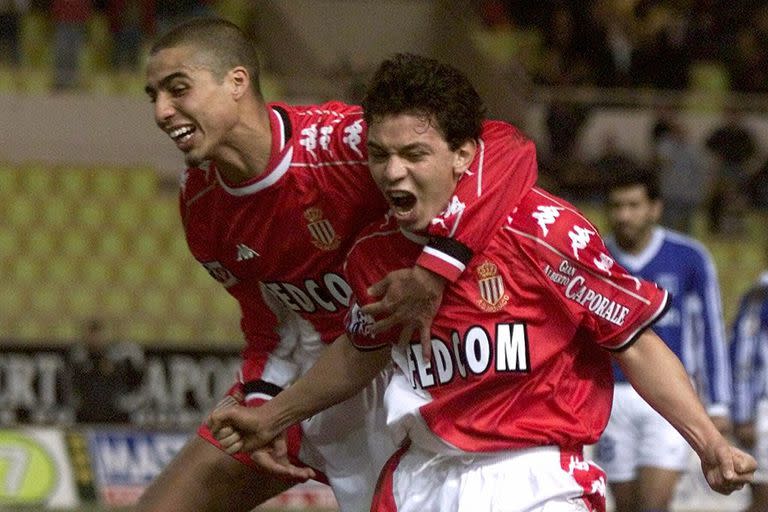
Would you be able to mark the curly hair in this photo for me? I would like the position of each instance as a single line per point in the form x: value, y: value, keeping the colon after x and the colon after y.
x: 413, y: 84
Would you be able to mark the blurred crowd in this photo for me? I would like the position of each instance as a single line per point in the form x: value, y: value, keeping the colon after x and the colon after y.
x: 131, y: 23
x: 663, y: 44
x: 724, y: 175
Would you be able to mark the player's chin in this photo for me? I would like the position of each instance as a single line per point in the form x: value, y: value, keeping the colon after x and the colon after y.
x: 193, y: 159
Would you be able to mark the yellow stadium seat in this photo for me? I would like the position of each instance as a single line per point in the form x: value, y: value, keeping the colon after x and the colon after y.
x: 75, y: 244
x: 9, y: 243
x: 142, y: 182
x: 21, y: 211
x: 39, y: 243
x: 111, y: 244
x: 38, y: 181
x: 55, y: 213
x: 117, y: 301
x: 90, y: 213
x: 74, y: 181
x: 9, y: 180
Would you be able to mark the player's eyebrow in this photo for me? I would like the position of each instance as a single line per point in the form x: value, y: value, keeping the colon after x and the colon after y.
x: 408, y: 147
x: 164, y: 82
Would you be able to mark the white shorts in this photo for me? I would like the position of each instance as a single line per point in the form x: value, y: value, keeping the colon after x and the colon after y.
x: 350, y: 443
x: 760, y: 450
x: 533, y: 480
x: 638, y: 436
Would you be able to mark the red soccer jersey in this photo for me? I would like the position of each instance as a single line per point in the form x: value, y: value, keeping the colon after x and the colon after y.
x: 519, y: 343
x: 291, y: 227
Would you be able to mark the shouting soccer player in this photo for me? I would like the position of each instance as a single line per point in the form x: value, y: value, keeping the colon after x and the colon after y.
x: 519, y: 379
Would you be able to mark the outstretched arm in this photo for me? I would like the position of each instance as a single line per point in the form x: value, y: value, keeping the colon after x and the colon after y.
x: 340, y: 372
x: 659, y: 377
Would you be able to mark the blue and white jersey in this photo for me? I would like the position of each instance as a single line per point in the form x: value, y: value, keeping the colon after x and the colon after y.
x: 693, y: 325
x: 749, y: 351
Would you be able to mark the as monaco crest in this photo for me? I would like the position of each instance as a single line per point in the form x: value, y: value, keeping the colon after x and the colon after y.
x: 492, y: 297
x: 323, y: 235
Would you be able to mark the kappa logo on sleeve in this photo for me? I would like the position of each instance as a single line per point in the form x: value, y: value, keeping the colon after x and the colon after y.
x: 546, y: 216
x: 353, y: 136
x: 580, y: 238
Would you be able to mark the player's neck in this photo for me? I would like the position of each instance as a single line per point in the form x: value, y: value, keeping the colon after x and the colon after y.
x: 246, y: 153
x: 638, y: 245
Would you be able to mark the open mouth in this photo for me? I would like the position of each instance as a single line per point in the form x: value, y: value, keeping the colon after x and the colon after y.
x: 402, y: 202
x: 182, y: 134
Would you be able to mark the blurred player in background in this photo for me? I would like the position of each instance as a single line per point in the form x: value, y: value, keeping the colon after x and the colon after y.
x: 642, y: 454
x: 271, y: 202
x: 749, y: 356
x: 520, y: 374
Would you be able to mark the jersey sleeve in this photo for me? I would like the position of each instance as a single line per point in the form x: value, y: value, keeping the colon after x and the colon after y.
x: 717, y: 382
x: 273, y: 336
x: 367, y: 263
x: 503, y: 170
x: 748, y: 335
x: 607, y: 302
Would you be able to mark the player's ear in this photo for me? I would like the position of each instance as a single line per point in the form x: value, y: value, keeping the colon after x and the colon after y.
x: 463, y: 157
x: 240, y: 80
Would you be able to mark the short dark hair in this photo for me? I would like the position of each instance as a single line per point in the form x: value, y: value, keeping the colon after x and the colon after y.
x: 625, y: 172
x: 222, y: 44
x: 413, y: 84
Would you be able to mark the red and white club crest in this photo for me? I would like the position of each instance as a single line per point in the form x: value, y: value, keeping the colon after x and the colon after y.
x: 323, y: 235
x: 491, y: 287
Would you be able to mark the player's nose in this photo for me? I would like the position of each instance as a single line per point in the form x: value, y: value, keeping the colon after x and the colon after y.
x: 394, y: 170
x: 164, y: 109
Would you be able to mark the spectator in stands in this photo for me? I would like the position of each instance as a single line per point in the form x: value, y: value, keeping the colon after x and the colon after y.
x: 682, y: 175
x: 70, y: 19
x: 733, y: 145
x: 11, y: 12
x: 172, y: 12
x: 105, y: 373
x: 131, y: 23
x: 750, y: 366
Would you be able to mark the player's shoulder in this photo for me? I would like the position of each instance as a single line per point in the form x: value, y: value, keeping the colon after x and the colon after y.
x: 544, y: 215
x: 328, y: 113
x: 504, y: 135
x: 331, y: 131
x: 376, y: 240
x: 685, y: 245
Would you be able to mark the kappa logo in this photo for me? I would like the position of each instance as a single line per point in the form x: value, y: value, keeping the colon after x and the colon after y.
x: 245, y: 253
x: 579, y: 239
x: 604, y: 263
x: 491, y: 284
x: 353, y: 136
x: 323, y: 235
x: 546, y: 215
x: 455, y: 210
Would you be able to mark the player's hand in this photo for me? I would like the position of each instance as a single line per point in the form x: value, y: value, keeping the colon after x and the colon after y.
x: 241, y: 429
x: 274, y: 459
x: 410, y: 298
x: 727, y: 468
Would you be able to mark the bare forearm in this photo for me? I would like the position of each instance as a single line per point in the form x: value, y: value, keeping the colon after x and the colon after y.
x: 339, y: 373
x: 660, y: 378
